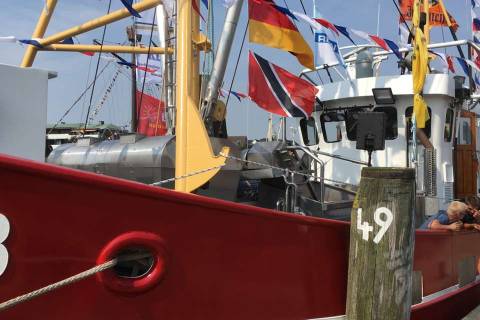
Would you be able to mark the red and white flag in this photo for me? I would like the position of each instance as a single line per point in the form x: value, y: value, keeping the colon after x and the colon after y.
x: 277, y: 90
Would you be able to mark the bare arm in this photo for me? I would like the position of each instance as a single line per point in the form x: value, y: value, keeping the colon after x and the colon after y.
x: 456, y: 226
x: 469, y: 226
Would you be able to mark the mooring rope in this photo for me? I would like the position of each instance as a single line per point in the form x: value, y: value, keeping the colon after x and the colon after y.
x: 68, y: 281
x: 65, y: 282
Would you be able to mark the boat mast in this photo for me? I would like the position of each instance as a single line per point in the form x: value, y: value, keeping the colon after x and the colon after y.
x: 193, y: 150
x: 39, y: 32
x: 132, y: 37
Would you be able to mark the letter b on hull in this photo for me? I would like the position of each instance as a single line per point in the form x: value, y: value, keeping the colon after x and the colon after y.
x: 4, y: 231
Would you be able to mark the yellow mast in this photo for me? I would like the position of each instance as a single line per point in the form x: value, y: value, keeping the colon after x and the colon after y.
x: 105, y: 48
x: 193, y: 149
x: 39, y: 32
x: 445, y: 13
x: 42, y: 24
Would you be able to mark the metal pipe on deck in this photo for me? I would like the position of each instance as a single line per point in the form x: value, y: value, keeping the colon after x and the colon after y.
x: 220, y: 64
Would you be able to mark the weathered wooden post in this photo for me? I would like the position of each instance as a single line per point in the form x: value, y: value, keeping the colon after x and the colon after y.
x: 381, y: 245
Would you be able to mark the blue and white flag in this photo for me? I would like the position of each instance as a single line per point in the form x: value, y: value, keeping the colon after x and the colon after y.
x: 327, y: 52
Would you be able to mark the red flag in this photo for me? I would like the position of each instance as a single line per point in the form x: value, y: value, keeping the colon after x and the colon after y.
x: 151, y: 115
x: 196, y: 8
x: 277, y: 90
x: 437, y: 19
x: 450, y: 64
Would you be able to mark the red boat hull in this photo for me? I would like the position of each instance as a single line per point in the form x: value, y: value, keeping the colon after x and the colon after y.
x: 218, y: 260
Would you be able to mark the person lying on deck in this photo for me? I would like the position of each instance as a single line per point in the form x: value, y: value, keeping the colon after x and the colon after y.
x: 449, y: 220
x: 471, y: 220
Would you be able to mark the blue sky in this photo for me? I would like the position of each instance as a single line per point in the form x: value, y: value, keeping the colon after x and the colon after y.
x: 244, y: 118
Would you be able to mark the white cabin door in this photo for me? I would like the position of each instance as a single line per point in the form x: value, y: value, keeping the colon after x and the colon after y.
x: 466, y: 162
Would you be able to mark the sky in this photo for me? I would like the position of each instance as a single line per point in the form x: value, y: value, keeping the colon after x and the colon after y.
x: 76, y: 70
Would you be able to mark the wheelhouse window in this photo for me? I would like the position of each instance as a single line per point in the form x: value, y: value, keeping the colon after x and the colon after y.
x: 448, y: 132
x: 428, y: 123
x: 464, y: 132
x: 351, y: 123
x: 309, y: 131
x: 391, y: 130
x: 331, y: 126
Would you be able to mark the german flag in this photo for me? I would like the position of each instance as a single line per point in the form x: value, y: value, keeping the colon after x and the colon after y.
x: 271, y: 27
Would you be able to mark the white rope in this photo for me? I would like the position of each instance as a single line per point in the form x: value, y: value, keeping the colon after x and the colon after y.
x: 286, y: 170
x: 281, y: 169
x: 85, y: 274
x: 186, y: 175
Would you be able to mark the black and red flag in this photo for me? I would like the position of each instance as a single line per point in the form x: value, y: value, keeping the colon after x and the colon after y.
x: 277, y: 90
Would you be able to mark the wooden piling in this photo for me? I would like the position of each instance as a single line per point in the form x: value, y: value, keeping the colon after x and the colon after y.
x: 381, y: 245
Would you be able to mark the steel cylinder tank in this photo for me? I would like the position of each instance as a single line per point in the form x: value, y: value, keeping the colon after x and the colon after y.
x: 146, y: 160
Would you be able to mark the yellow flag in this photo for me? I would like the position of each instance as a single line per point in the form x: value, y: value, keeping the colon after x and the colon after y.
x: 420, y: 110
x: 419, y: 73
x: 420, y: 61
x: 416, y: 14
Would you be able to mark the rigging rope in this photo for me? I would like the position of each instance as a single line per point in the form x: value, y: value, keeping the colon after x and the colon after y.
x: 236, y: 64
x: 286, y: 170
x: 107, y: 93
x: 403, y: 19
x: 79, y: 98
x: 86, y: 85
x: 311, y: 29
x: 96, y: 69
x: 146, y: 64
x: 194, y: 173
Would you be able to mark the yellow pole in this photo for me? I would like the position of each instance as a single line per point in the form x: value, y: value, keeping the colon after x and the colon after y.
x: 106, y: 48
x: 39, y: 32
x: 445, y: 13
x: 196, y: 59
x: 426, y: 29
x: 183, y: 89
x: 99, y: 22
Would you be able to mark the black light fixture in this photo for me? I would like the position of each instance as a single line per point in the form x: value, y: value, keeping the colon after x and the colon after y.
x: 383, y: 95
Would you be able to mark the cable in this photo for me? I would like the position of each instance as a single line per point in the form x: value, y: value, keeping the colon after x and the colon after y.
x: 236, y: 65
x: 311, y: 29
x: 96, y: 70
x: 79, y: 98
x: 86, y: 85
x: 403, y: 19
x: 146, y: 64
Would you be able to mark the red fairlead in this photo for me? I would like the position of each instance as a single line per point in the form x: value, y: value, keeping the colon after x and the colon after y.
x: 134, y: 275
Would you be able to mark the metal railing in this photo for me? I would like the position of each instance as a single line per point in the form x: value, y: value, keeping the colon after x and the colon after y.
x: 319, y: 170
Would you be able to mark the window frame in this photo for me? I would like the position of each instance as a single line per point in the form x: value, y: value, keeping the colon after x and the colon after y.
x: 322, y: 122
x: 428, y: 123
x: 395, y: 132
x: 452, y: 123
x: 305, y: 133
